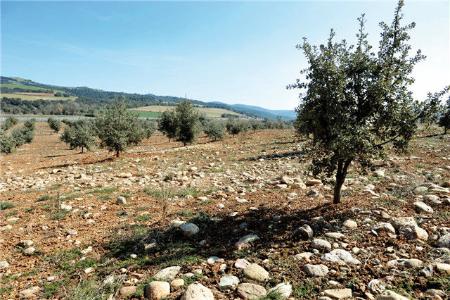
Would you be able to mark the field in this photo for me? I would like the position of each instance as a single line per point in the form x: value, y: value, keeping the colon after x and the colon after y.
x: 156, y: 110
x: 35, y: 96
x: 65, y: 235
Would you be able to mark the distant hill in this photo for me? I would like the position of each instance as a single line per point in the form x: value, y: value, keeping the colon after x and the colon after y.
x: 17, y: 92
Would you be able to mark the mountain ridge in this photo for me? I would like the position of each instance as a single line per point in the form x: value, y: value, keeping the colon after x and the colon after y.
x: 85, y: 94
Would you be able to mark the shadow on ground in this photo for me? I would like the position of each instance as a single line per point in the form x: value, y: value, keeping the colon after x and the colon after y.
x: 166, y: 246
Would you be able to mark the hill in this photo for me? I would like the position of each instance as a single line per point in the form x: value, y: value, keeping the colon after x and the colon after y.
x: 16, y: 94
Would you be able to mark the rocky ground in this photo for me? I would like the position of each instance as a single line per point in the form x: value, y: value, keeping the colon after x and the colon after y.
x: 225, y: 220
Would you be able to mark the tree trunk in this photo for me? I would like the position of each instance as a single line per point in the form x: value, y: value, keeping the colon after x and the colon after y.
x: 340, y: 179
x: 117, y: 153
x: 82, y: 149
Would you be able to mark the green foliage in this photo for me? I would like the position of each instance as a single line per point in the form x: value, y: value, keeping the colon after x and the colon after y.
x: 358, y: 101
x: 7, y: 144
x: 5, y: 205
x: 236, y: 126
x: 54, y: 124
x: 215, y: 130
x: 79, y: 134
x: 148, y: 127
x: 182, y: 123
x: 444, y: 120
x: 118, y: 128
x: 9, y: 122
x: 168, y: 124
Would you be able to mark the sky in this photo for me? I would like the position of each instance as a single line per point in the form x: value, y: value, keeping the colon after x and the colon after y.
x: 234, y: 52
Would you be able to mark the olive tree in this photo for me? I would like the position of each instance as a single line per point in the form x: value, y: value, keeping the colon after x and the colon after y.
x: 355, y: 102
x: 188, y: 122
x: 444, y: 120
x: 54, y: 124
x: 168, y: 124
x: 79, y: 134
x: 117, y: 128
x: 215, y: 130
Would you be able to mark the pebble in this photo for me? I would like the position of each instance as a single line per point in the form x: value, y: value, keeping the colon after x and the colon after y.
x: 157, y: 290
x: 197, y: 291
x: 320, y: 244
x: 338, y: 293
x: 316, y: 270
x: 256, y: 272
x: 167, y: 274
x: 251, y: 291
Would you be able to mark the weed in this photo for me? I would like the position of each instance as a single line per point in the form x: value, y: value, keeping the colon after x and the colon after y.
x: 142, y: 218
x: 43, y: 198
x: 58, y: 215
x: 5, y: 205
x: 52, y: 288
x: 306, y: 290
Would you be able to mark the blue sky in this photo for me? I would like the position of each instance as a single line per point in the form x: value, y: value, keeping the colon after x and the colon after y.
x: 235, y: 52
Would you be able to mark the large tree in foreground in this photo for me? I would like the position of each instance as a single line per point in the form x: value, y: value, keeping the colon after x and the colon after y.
x: 117, y: 128
x: 356, y: 101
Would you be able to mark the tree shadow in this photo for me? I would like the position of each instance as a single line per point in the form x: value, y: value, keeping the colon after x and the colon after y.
x: 275, y: 156
x: 166, y: 246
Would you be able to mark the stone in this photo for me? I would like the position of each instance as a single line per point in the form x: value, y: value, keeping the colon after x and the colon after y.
x: 167, y: 274
x: 127, y: 291
x: 379, y: 173
x: 443, y: 268
x: 316, y: 270
x: 241, y: 263
x: 256, y: 272
x: 177, y: 283
x: 338, y: 293
x: 214, y: 259
x: 66, y: 207
x: 422, y: 207
x: 335, y: 235
x: 245, y: 241
x: 320, y: 244
x: 306, y: 232
x: 340, y: 256
x: 121, y: 200
x: 313, y: 182
x: 304, y: 256
x: 351, y: 224
x: 189, y: 229
x: 157, y: 290
x: 384, y: 226
x: 406, y: 263
x: 444, y: 241
x: 89, y: 270
x: 284, y: 290
x: 4, y: 264
x: 420, y: 190
x: 390, y: 295
x: 251, y: 291
x: 197, y: 291
x: 228, y: 282
x: 376, y: 286
x: 29, y: 251
x: 30, y: 292
x: 408, y: 227
x: 432, y: 199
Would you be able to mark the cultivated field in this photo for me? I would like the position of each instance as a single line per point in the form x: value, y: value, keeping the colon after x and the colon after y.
x: 87, y: 226
x: 155, y: 111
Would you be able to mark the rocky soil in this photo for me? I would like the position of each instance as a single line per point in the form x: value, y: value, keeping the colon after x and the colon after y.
x: 237, y: 219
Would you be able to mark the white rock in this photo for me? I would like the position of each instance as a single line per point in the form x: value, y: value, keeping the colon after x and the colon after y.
x: 4, y: 264
x: 228, y: 282
x: 351, y: 224
x: 390, y: 295
x: 251, y: 291
x: 189, y: 229
x: 320, y: 244
x: 197, y: 291
x: 284, y: 290
x: 338, y: 293
x: 256, y: 272
x: 121, y: 200
x: 340, y: 256
x: 316, y: 270
x: 157, y: 290
x: 422, y: 207
x: 167, y: 274
x: 241, y: 263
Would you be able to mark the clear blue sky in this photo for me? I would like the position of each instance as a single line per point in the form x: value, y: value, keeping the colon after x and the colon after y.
x: 235, y: 52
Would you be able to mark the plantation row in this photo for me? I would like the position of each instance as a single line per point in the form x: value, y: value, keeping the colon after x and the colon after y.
x: 116, y: 128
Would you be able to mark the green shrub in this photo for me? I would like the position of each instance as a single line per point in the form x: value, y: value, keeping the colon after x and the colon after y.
x: 9, y: 122
x: 215, y: 130
x: 54, y: 124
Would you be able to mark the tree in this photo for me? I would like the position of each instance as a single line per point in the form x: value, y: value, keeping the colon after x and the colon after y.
x: 235, y: 126
x: 79, y: 134
x: 9, y: 122
x: 188, y: 122
x: 168, y: 124
x: 356, y: 101
x: 54, y: 124
x: 117, y: 128
x: 215, y: 130
x: 148, y: 127
x: 7, y: 144
x: 444, y: 120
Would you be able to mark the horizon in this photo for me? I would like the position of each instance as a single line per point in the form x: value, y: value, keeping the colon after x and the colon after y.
x: 205, y: 51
